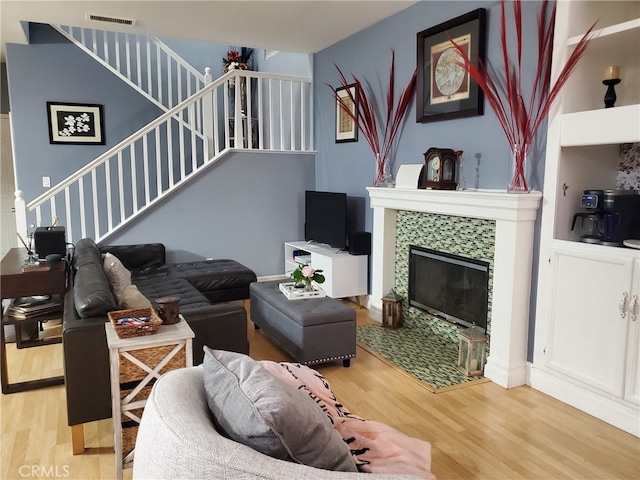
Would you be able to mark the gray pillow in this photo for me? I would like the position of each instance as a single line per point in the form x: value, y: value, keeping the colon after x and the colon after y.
x: 256, y: 409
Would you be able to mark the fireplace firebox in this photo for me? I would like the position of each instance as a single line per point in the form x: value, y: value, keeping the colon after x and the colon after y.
x: 451, y: 287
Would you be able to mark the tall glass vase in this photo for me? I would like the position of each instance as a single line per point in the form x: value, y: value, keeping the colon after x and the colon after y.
x: 383, y: 173
x: 518, y: 167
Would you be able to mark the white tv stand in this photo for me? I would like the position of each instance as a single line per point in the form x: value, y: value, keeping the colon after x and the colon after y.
x: 345, y: 275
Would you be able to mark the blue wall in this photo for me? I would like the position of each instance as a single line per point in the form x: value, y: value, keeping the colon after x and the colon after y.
x: 244, y: 207
x: 52, y: 69
x: 350, y: 167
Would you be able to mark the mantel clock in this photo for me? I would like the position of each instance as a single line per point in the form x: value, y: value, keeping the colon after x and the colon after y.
x: 439, y: 172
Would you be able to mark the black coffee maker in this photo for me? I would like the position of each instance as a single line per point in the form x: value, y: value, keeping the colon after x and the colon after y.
x: 611, y: 216
x: 592, y: 221
x: 621, y: 216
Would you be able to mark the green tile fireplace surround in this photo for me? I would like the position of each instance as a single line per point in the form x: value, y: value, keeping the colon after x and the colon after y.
x: 468, y: 237
x: 489, y: 225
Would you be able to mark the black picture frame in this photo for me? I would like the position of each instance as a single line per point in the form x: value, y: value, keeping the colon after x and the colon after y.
x: 75, y: 123
x: 346, y: 126
x: 445, y: 90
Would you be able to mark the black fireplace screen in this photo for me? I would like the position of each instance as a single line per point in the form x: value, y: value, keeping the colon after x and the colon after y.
x: 449, y: 286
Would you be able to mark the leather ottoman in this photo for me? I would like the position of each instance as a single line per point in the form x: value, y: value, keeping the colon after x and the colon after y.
x: 311, y: 331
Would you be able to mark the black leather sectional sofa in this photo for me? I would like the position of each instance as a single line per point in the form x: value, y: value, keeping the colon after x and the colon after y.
x: 201, y: 287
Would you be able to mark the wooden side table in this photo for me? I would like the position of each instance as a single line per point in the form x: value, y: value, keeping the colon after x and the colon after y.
x: 15, y: 283
x: 136, y: 363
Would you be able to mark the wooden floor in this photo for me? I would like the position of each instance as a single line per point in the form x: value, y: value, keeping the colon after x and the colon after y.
x: 477, y: 432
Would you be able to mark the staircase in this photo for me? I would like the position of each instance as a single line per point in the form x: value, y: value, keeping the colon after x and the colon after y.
x: 240, y: 111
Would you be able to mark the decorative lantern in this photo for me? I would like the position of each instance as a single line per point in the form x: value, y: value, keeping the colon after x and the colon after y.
x: 472, y: 352
x: 392, y: 310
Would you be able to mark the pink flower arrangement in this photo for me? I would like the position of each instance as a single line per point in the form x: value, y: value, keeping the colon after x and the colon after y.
x: 308, y: 271
x: 305, y: 274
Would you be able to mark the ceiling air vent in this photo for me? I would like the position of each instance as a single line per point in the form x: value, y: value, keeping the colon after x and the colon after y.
x: 104, y: 18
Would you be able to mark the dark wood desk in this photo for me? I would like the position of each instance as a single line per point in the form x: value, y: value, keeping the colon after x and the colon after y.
x: 15, y: 283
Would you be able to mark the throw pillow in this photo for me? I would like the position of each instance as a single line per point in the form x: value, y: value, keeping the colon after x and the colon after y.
x: 256, y: 409
x: 376, y: 448
x: 119, y: 277
x: 133, y: 298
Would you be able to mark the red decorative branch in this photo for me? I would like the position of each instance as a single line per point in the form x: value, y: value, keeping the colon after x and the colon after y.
x: 520, y: 120
x: 366, y: 119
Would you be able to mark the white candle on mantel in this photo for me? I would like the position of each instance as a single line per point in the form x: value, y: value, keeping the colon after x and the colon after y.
x: 474, y: 364
x: 612, y: 72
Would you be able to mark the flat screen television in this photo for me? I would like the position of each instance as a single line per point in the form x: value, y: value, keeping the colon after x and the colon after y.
x: 325, y: 218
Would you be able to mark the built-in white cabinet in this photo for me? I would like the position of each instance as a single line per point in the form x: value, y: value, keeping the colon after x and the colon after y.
x: 586, y: 345
x: 632, y: 380
x: 346, y: 275
x: 591, y: 317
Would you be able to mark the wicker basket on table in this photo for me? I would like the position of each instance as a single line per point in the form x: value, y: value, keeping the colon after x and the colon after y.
x: 148, y: 323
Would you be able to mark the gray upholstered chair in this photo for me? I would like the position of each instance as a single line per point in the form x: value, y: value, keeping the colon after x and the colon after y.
x: 177, y: 439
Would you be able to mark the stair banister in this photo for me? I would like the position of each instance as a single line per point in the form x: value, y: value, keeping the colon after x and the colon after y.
x: 207, y: 139
x: 86, y: 39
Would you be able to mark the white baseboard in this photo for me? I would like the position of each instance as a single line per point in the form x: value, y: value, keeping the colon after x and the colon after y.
x: 613, y: 411
x: 505, y: 377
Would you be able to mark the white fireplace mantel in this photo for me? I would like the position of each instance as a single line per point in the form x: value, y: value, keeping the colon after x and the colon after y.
x: 514, y: 215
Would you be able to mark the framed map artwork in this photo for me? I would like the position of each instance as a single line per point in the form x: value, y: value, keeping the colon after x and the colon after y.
x: 445, y: 90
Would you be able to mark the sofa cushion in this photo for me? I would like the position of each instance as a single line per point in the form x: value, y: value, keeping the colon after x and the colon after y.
x: 86, y: 251
x: 254, y: 408
x: 138, y: 256
x: 119, y: 277
x: 91, y: 291
x: 161, y: 285
x: 217, y: 274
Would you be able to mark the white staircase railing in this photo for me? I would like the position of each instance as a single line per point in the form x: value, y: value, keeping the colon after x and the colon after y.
x: 146, y: 63
x: 128, y: 179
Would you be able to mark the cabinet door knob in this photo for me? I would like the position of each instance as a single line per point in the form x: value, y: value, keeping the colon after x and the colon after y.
x: 623, y: 305
x: 633, y: 308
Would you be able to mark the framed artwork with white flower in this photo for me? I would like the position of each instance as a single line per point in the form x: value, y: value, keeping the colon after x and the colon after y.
x: 75, y: 123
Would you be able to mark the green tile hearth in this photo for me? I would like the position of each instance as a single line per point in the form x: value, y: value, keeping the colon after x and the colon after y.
x: 417, y: 350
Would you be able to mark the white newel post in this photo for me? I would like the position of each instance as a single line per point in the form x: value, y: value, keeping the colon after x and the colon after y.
x: 21, y: 213
x: 207, y: 116
x: 514, y: 216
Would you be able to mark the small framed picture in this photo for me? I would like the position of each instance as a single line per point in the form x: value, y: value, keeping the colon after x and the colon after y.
x: 445, y: 90
x: 346, y: 127
x: 75, y: 124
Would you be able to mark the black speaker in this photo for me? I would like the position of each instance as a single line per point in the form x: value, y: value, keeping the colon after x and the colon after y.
x: 48, y: 240
x: 360, y: 243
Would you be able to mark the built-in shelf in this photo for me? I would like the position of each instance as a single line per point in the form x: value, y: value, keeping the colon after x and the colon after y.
x: 590, y: 127
x: 616, y: 43
x: 618, y: 33
x: 584, y: 289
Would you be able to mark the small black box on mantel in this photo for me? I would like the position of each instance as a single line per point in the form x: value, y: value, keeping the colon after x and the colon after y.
x: 48, y: 240
x: 359, y: 243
